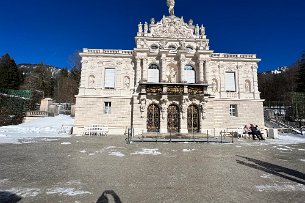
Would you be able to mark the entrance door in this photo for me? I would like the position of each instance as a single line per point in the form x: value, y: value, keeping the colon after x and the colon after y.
x: 193, y: 119
x: 173, y: 119
x: 153, y: 118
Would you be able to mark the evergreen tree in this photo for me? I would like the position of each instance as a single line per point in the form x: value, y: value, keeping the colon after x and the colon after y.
x: 10, y: 75
x: 301, y: 74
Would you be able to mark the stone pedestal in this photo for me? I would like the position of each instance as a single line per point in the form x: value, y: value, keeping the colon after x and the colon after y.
x: 45, y: 103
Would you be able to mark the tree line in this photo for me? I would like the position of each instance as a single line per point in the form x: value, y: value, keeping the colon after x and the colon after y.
x: 286, y: 87
x: 44, y: 81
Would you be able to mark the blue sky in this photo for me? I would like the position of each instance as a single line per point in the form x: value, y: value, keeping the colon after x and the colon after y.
x: 50, y: 31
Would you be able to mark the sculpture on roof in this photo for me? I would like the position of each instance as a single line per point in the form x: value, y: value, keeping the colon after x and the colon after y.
x: 171, y: 5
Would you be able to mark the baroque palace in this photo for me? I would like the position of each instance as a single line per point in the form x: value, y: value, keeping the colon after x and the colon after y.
x: 170, y: 82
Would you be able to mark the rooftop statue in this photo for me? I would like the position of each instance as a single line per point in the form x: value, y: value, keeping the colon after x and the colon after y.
x: 171, y: 5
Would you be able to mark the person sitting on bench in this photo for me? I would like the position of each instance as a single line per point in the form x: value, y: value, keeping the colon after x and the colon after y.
x: 256, y: 132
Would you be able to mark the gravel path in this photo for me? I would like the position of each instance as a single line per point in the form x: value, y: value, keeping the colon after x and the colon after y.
x: 80, y: 169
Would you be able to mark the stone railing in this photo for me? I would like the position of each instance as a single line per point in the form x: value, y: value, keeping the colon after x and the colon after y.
x: 108, y: 51
x: 231, y: 95
x: 36, y: 114
x: 224, y: 55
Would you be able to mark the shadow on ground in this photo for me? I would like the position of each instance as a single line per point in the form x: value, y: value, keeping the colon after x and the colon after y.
x: 8, y: 197
x: 273, y: 169
x: 108, y: 193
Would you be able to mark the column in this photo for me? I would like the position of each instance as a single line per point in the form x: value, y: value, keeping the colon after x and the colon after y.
x: 200, y: 72
x: 145, y: 67
x: 182, y: 64
x: 163, y: 69
x: 138, y: 71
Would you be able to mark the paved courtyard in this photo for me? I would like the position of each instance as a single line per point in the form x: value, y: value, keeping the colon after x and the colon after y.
x: 80, y: 169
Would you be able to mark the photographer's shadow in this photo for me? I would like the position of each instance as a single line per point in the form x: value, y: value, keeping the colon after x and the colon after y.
x: 108, y: 193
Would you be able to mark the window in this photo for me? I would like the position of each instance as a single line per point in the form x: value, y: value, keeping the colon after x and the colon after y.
x: 153, y: 73
x: 230, y: 82
x: 233, y: 110
x: 154, y: 47
x: 109, y: 78
x: 189, y: 73
x: 189, y: 48
x: 172, y: 47
x: 107, y: 108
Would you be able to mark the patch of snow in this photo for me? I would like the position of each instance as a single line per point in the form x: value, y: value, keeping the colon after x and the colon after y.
x: 266, y: 176
x: 119, y: 154
x: 74, y: 182
x: 66, y: 191
x: 301, y: 149
x: 188, y: 150
x: 148, y: 152
x: 284, y: 149
x: 302, y: 160
x: 238, y: 146
x: 2, y: 135
x: 26, y: 192
x: 83, y: 151
x: 45, y: 127
x: 91, y: 154
x: 280, y: 188
x: 65, y: 143
x: 111, y: 147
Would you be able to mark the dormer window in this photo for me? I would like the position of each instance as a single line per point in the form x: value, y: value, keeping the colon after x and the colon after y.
x: 172, y: 47
x: 189, y: 48
x: 154, y: 47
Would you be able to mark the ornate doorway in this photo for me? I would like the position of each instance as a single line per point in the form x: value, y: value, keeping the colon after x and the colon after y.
x: 173, y: 119
x: 193, y: 119
x: 153, y: 118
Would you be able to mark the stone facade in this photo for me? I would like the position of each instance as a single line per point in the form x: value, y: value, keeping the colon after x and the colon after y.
x: 171, y: 82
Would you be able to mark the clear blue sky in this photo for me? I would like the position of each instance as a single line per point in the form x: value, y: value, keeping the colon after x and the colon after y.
x: 50, y: 31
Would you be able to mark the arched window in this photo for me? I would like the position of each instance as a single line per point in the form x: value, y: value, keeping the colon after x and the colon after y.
x: 153, y: 73
x: 189, y: 73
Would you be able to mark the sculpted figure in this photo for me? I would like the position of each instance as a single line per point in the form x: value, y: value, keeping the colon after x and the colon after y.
x: 171, y: 5
x: 140, y: 28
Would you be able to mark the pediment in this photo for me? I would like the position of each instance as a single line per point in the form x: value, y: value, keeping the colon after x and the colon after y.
x: 172, y: 27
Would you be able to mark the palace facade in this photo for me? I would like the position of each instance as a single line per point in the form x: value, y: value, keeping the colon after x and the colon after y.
x: 170, y: 82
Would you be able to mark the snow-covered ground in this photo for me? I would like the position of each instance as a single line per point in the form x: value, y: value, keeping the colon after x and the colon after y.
x: 50, y: 128
x: 45, y: 128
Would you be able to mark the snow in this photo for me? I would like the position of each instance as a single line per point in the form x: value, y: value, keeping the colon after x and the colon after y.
x: 188, y: 150
x: 118, y: 154
x: 281, y: 188
x: 65, y: 143
x: 41, y: 128
x: 66, y: 191
x: 147, y: 152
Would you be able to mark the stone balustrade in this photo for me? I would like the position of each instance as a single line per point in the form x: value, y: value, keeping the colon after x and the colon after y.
x: 224, y: 55
x: 36, y: 114
x: 108, y: 51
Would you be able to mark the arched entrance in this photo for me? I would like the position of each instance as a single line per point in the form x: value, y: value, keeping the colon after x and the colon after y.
x: 153, y: 118
x: 193, y: 119
x: 173, y: 119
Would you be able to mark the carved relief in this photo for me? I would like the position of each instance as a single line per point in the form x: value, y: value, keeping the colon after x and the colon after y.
x: 175, y: 89
x: 154, y: 89
x: 171, y: 73
x: 214, y: 85
x: 126, y: 82
x: 195, y: 90
x: 91, y: 81
x: 247, y: 86
x: 171, y: 27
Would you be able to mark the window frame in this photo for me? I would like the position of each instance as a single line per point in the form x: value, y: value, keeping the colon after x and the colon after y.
x: 229, y: 82
x: 106, y: 81
x: 107, y: 107
x: 233, y: 110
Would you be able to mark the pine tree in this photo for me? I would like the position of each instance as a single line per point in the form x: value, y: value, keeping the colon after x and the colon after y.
x: 10, y: 75
x: 301, y: 74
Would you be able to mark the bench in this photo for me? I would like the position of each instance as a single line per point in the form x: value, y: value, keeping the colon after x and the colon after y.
x: 96, y: 130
